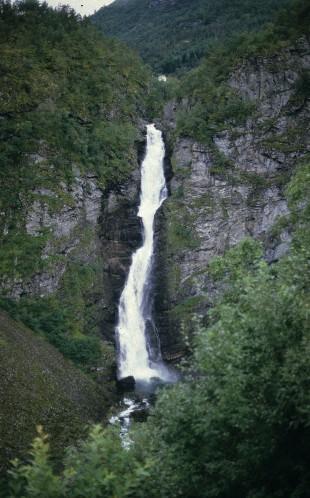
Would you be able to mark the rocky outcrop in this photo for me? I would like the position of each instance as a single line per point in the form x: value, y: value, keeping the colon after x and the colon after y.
x: 120, y: 235
x: 86, y: 225
x: 65, y: 217
x: 231, y: 189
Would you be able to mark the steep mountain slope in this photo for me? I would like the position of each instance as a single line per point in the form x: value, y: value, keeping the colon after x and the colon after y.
x: 173, y: 35
x: 69, y: 106
x: 38, y: 386
x: 238, y: 131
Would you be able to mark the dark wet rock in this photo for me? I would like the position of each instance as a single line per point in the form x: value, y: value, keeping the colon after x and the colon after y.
x: 120, y: 236
x: 141, y: 413
x: 126, y: 384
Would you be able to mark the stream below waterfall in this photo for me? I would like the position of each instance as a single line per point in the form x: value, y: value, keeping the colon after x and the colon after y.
x: 138, y: 345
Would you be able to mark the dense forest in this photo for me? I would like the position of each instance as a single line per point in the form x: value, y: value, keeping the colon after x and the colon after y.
x: 69, y: 97
x: 173, y: 36
x: 73, y: 104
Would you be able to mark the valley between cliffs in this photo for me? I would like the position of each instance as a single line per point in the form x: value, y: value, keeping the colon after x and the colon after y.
x: 73, y: 128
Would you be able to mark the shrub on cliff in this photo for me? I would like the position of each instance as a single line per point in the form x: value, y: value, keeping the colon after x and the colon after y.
x: 209, y: 103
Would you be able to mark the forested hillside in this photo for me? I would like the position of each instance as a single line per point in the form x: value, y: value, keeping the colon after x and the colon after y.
x: 173, y: 35
x: 69, y: 105
x: 231, y: 264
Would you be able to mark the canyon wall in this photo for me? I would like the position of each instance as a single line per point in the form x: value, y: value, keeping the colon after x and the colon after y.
x: 231, y: 189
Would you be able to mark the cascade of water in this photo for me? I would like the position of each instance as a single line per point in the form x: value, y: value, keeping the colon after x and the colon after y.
x: 134, y: 358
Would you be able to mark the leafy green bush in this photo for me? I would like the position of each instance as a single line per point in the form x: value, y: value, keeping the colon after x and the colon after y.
x: 56, y: 322
x: 66, y: 318
x: 98, y: 468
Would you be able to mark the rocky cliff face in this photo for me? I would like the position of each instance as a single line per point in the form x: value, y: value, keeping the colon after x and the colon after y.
x: 220, y: 194
x: 120, y: 236
x: 223, y: 193
x: 67, y: 225
x: 88, y: 228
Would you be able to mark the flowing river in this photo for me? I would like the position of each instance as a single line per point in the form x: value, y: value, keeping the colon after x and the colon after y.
x: 135, y: 332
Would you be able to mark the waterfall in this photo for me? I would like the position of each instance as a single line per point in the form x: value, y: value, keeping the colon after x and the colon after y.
x: 134, y: 306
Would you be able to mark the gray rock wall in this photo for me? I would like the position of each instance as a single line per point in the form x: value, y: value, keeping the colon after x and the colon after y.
x: 120, y: 235
x: 88, y: 226
x: 215, y: 204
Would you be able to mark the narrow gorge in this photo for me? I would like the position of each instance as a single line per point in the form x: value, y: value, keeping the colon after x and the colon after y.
x: 154, y: 249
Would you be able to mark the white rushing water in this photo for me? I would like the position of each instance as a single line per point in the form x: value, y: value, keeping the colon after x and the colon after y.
x: 124, y: 418
x: 134, y: 308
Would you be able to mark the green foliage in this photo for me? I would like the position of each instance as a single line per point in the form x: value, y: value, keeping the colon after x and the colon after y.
x: 212, y: 105
x: 69, y: 100
x: 159, y: 93
x: 65, y: 319
x: 39, y: 475
x: 241, y: 259
x: 302, y: 89
x: 173, y: 36
x: 20, y: 254
x: 39, y: 386
x: 298, y: 194
x: 57, y: 322
x: 187, y: 306
x: 238, y: 425
x: 241, y: 428
x: 180, y: 232
x: 213, y: 108
x: 298, y: 190
x: 98, y: 468
x: 69, y: 104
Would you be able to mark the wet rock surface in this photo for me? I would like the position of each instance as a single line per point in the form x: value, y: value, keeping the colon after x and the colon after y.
x: 126, y: 384
x: 120, y: 235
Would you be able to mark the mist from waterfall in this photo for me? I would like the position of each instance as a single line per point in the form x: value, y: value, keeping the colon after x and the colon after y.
x: 135, y: 351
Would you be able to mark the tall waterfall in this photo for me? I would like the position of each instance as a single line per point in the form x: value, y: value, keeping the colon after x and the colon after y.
x: 134, y: 306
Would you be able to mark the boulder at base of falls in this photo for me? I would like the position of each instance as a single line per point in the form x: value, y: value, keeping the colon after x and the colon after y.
x: 126, y: 384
